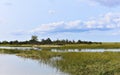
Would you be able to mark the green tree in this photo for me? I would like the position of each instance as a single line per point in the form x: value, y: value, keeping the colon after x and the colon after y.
x: 34, y: 39
x: 48, y: 41
x: 5, y: 42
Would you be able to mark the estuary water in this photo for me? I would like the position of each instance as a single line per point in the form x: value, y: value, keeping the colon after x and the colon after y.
x: 14, y: 65
x: 85, y: 50
x: 19, y: 48
x: 61, y: 50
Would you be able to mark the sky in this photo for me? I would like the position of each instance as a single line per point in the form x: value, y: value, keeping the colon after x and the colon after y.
x: 92, y: 20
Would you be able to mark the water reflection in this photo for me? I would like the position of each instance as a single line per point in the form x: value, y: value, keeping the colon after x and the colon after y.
x: 100, y: 50
x: 13, y: 65
x: 19, y: 48
x: 85, y: 50
x: 65, y: 50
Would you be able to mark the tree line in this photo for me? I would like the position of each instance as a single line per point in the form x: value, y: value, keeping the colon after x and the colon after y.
x: 34, y: 40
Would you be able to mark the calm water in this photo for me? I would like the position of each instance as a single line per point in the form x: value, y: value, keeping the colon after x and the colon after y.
x: 19, y: 48
x: 86, y: 50
x: 64, y: 50
x: 14, y: 65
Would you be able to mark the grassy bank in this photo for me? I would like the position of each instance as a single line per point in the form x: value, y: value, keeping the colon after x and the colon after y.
x: 72, y: 46
x: 77, y: 63
x: 93, y: 46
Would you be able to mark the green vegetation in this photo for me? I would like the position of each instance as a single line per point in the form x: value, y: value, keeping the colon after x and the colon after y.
x: 90, y: 63
x: 93, y: 46
x: 70, y: 46
x: 34, y: 40
x: 107, y: 63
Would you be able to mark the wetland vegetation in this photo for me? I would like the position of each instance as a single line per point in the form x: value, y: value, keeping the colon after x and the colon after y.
x: 72, y: 63
x: 85, y: 63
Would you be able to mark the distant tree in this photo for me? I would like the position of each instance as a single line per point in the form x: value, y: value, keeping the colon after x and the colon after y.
x: 11, y: 42
x: 43, y: 41
x: 73, y: 42
x: 34, y: 39
x: 79, y: 41
x: 57, y: 42
x: 5, y: 42
x: 48, y: 41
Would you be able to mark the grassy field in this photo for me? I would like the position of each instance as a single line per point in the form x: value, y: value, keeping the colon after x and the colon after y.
x: 107, y: 63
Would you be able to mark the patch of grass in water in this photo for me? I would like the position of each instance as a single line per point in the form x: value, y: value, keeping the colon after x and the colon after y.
x: 106, y: 63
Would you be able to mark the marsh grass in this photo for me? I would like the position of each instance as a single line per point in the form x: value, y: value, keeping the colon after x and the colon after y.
x: 103, y: 45
x: 90, y: 63
x: 106, y: 63
x: 92, y: 46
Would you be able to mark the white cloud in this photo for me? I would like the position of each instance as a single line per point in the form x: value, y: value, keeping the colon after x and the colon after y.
x: 47, y: 27
x: 109, y: 21
x: 72, y: 24
x: 104, y: 22
x: 90, y: 24
x: 57, y: 26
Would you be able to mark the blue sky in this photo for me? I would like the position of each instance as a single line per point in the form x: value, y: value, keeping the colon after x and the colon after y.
x: 94, y: 20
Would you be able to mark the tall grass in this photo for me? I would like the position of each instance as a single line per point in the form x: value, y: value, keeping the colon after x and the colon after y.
x: 107, y: 63
x: 90, y: 63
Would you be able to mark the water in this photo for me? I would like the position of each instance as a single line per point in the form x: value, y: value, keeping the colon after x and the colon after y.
x: 19, y: 48
x: 85, y: 50
x: 64, y: 50
x: 100, y: 50
x: 14, y: 65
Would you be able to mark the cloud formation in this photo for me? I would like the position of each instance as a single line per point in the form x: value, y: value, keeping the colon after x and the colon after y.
x: 109, y: 3
x: 104, y: 22
x: 48, y: 27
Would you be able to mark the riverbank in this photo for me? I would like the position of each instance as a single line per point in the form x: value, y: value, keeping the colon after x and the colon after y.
x: 110, y: 45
